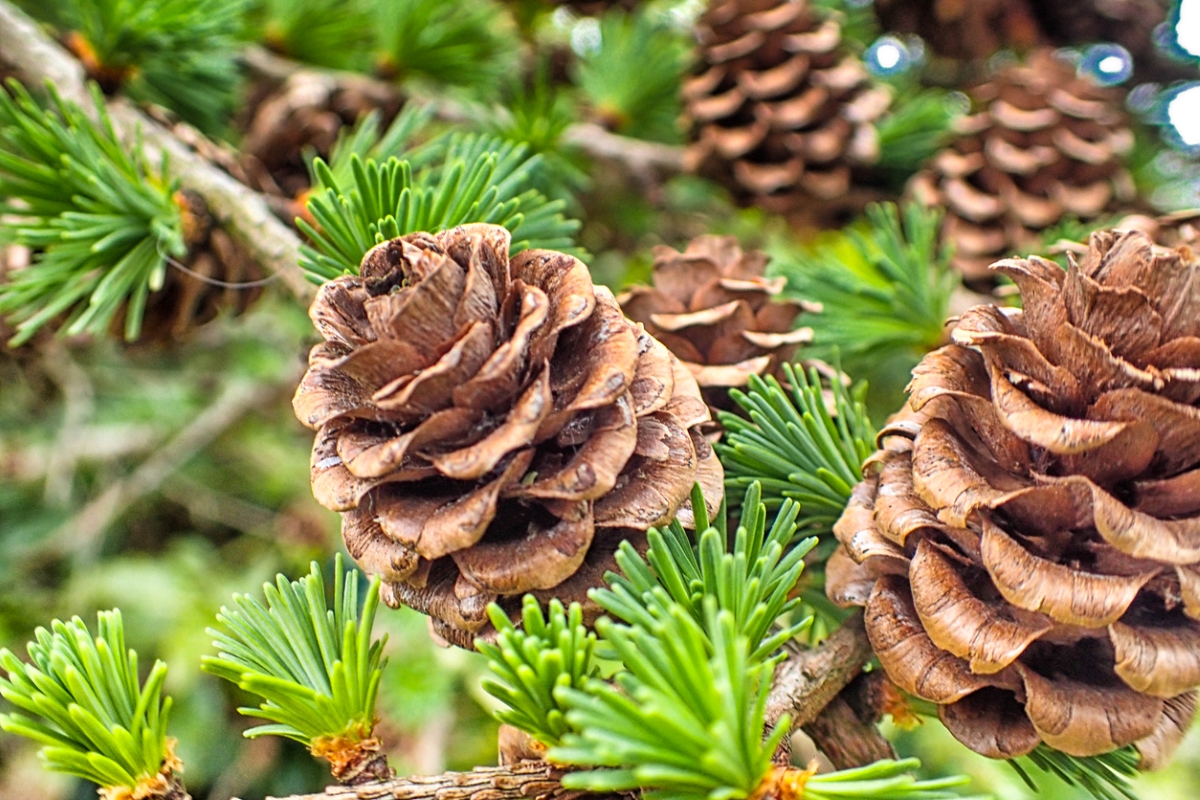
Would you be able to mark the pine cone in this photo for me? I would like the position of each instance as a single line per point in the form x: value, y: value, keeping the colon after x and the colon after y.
x: 491, y: 427
x: 1129, y: 23
x: 1042, y: 145
x: 970, y: 30
x: 1028, y: 548
x: 305, y: 114
x: 1169, y: 230
x: 712, y: 307
x: 219, y: 265
x: 779, y: 110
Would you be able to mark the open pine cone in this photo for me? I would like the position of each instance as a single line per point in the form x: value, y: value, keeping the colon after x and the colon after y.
x: 1028, y: 548
x: 712, y: 307
x: 779, y: 110
x: 1042, y: 145
x: 490, y: 427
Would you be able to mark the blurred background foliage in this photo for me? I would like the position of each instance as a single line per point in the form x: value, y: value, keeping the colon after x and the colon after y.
x: 163, y: 477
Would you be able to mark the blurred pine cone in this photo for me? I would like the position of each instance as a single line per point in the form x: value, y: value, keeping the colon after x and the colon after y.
x: 1043, y: 145
x: 1028, y: 548
x: 780, y: 112
x: 217, y: 266
x: 712, y: 307
x: 492, y: 427
x: 968, y: 30
x: 1169, y: 230
x: 305, y: 114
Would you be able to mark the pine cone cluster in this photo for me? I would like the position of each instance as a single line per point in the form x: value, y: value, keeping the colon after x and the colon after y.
x: 712, y: 307
x: 1042, y: 145
x: 1028, y: 545
x: 779, y: 111
x: 490, y: 427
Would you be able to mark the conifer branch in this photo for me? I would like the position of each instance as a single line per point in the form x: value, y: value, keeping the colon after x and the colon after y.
x: 642, y: 158
x: 38, y: 60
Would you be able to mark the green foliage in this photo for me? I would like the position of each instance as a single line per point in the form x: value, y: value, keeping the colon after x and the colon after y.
x: 686, y: 720
x: 79, y: 698
x: 366, y: 141
x: 99, y: 218
x: 752, y: 582
x: 1104, y: 777
x: 631, y: 79
x: 919, y: 123
x: 885, y: 289
x: 478, y: 179
x: 533, y: 661
x: 470, y: 43
x: 328, y: 33
x: 178, y: 53
x: 315, y: 667
x: 884, y: 780
x: 537, y: 113
x: 795, y: 447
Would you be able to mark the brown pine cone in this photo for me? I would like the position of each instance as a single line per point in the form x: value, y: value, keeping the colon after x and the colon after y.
x: 217, y: 267
x: 305, y: 113
x: 491, y: 427
x: 712, y: 307
x: 1169, y: 230
x: 1042, y: 145
x: 779, y: 111
x: 1028, y: 544
x: 969, y: 30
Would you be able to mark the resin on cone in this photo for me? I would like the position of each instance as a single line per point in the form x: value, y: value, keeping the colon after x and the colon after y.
x: 1027, y: 545
x: 1042, y: 145
x: 779, y: 111
x: 491, y: 427
x: 713, y: 308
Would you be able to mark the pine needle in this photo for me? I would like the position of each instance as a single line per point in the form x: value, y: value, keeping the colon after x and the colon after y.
x: 796, y: 447
x: 316, y: 667
x: 100, y: 220
x: 472, y: 179
x: 79, y: 697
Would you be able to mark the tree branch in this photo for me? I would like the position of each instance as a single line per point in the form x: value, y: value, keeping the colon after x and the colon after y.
x: 809, y: 680
x: 642, y: 158
x: 38, y: 60
x: 845, y: 730
x: 804, y: 684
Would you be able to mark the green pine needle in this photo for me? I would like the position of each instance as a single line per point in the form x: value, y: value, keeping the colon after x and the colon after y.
x: 79, y: 698
x: 631, y: 77
x: 476, y: 179
x: 367, y: 141
x: 686, y: 720
x: 100, y: 220
x: 534, y: 660
x: 885, y: 290
x: 328, y: 33
x: 885, y: 780
x: 752, y: 581
x: 177, y: 53
x: 795, y: 447
x: 471, y: 43
x: 918, y: 124
x: 315, y: 667
x: 1104, y: 777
